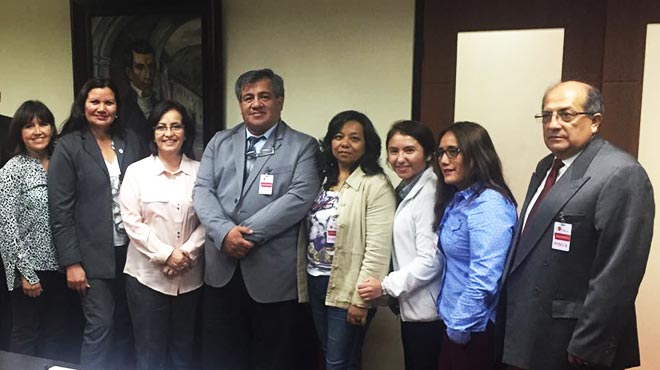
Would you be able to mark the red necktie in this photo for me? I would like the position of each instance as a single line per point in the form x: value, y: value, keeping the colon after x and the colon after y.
x: 549, y: 182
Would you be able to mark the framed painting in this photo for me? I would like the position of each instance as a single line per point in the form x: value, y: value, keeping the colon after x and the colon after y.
x: 154, y: 50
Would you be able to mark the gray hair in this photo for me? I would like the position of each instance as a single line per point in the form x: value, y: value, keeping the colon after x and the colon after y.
x: 250, y: 77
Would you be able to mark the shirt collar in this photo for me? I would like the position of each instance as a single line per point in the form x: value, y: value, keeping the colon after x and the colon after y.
x: 355, y: 178
x: 404, y: 188
x: 265, y: 135
x: 186, y: 166
x: 468, y: 192
x: 137, y: 90
x: 569, y: 161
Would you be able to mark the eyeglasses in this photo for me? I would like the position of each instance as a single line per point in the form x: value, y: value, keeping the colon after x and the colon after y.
x: 162, y: 128
x: 452, y: 152
x: 564, y: 115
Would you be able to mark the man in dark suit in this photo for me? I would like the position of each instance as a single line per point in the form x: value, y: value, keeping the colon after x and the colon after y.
x: 255, y: 184
x: 581, y: 246
x: 139, y: 100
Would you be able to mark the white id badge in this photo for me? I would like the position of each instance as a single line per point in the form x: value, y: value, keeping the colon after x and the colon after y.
x: 266, y: 184
x: 561, y: 236
x: 331, y: 232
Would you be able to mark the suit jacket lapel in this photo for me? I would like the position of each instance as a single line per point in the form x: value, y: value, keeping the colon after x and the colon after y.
x: 534, y: 182
x: 238, y: 145
x: 565, y: 188
x: 92, y: 148
x: 120, y: 148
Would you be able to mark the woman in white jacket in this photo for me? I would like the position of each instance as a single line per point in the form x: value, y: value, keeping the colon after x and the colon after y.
x: 418, y: 265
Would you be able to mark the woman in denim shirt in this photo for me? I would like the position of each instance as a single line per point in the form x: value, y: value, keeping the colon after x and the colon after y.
x: 477, y: 214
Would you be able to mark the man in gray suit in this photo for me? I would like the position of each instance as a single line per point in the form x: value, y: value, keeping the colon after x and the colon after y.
x: 581, y: 246
x: 255, y: 184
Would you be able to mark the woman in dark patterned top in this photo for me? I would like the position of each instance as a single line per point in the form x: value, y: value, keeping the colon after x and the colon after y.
x: 38, y: 290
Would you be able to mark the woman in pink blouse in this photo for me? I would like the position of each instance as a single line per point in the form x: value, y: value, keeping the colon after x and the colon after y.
x: 163, y: 264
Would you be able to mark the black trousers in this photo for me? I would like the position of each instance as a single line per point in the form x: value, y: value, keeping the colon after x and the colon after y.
x: 421, y: 344
x: 239, y: 333
x: 41, y: 326
x: 163, y: 326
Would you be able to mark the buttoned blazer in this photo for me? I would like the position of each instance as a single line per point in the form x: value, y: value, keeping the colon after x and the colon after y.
x: 80, y: 200
x: 581, y: 301
x: 222, y: 202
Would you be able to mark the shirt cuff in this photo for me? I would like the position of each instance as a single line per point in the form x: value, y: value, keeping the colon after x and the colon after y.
x: 456, y: 336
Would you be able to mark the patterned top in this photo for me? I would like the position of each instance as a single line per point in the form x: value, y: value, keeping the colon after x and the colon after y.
x: 322, y: 219
x: 26, y: 243
x: 474, y: 235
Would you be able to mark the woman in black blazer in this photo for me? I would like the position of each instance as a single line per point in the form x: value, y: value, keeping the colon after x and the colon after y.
x: 86, y: 170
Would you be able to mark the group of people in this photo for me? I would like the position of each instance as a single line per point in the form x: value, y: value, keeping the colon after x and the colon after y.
x: 271, y: 217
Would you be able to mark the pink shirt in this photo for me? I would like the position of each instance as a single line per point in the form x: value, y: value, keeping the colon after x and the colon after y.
x: 158, y: 214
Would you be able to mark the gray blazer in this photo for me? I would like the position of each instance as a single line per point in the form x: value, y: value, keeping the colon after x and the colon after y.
x: 581, y: 301
x: 221, y: 202
x: 80, y: 200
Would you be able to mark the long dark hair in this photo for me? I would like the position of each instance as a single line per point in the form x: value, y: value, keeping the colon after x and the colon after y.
x: 368, y: 162
x: 481, y: 162
x: 188, y: 125
x: 24, y: 115
x: 77, y: 120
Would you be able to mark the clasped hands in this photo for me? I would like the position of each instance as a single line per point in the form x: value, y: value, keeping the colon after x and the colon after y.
x: 235, y: 244
x: 177, y: 263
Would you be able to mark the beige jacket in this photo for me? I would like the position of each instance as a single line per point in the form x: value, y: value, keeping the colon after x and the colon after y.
x: 364, y: 239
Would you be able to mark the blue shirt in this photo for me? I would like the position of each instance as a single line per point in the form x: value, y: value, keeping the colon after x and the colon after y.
x: 475, y: 234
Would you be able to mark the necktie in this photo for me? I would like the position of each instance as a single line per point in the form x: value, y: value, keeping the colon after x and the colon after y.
x: 250, y: 155
x: 549, y: 182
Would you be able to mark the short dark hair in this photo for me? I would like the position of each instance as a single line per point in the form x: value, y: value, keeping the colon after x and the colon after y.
x: 417, y: 131
x: 482, y: 164
x: 368, y: 162
x: 140, y: 47
x: 77, y: 120
x: 250, y: 77
x: 188, y: 125
x: 24, y: 115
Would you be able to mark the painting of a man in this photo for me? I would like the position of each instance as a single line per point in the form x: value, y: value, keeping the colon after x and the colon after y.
x: 140, y: 97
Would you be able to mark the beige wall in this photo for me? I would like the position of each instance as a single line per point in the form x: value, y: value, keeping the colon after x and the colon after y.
x: 648, y: 301
x: 35, y: 55
x: 333, y: 55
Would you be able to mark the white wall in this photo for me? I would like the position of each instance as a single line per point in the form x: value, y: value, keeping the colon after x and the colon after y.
x: 333, y: 56
x: 648, y: 301
x: 35, y: 55
x: 500, y: 80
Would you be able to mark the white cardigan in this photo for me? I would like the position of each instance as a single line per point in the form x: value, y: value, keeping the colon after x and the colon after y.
x: 418, y: 264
